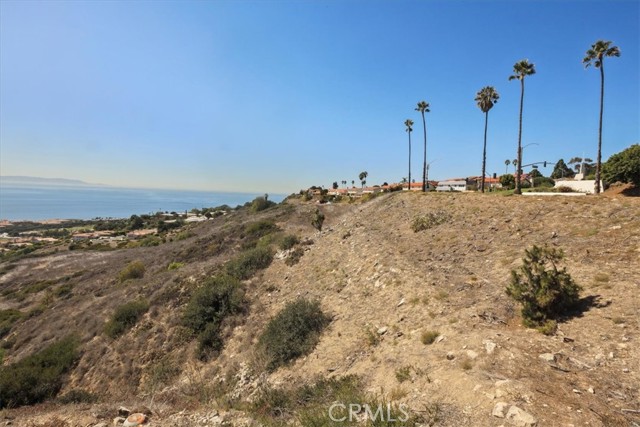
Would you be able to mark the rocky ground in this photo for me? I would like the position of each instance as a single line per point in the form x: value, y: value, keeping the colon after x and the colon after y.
x: 386, y: 287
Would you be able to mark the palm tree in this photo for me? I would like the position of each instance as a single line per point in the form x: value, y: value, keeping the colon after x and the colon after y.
x: 424, y: 107
x: 363, y: 177
x: 521, y: 69
x: 486, y: 97
x: 409, y: 124
x: 506, y: 166
x: 514, y: 162
x: 595, y: 56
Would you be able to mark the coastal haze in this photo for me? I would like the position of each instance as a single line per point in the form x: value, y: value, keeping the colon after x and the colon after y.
x: 37, y: 199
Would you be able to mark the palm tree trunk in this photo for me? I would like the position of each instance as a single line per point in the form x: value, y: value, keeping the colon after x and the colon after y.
x: 484, y: 149
x: 599, y: 159
x: 519, y: 167
x: 409, y: 160
x: 424, y: 164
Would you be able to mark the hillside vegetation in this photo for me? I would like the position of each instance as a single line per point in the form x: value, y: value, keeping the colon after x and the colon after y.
x: 257, y: 318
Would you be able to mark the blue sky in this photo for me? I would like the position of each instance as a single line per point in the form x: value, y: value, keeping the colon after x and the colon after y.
x: 280, y: 95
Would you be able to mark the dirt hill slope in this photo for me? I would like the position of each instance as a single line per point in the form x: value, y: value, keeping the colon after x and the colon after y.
x: 385, y: 286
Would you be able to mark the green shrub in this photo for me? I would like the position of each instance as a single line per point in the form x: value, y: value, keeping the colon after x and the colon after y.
x: 133, y: 270
x: 247, y: 263
x: 78, y: 396
x: 150, y: 241
x: 64, y: 291
x: 430, y: 220
x: 429, y: 337
x: 7, y: 319
x: 289, y: 241
x: 623, y: 167
x: 125, y: 317
x: 218, y: 298
x: 565, y: 189
x: 294, y: 257
x: 39, y: 376
x: 544, y: 291
x: 261, y: 203
x: 317, y: 219
x: 175, y: 265
x: 294, y: 332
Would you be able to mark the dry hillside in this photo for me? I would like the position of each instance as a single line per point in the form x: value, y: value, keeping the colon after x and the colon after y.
x: 385, y: 287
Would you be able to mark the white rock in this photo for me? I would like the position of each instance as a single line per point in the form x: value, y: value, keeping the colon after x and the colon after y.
x: 590, y: 390
x: 489, y: 346
x: 472, y: 354
x: 500, y: 409
x: 548, y: 357
x: 521, y: 418
x: 382, y: 330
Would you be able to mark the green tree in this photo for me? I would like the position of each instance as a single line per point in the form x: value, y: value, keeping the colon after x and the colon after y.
x: 507, y: 181
x: 561, y: 170
x: 595, y: 56
x: 409, y: 128
x: 545, y: 291
x: 486, y: 98
x: 422, y: 108
x: 535, y: 173
x: 521, y: 70
x: 335, y: 185
x: 623, y: 166
x: 584, y: 164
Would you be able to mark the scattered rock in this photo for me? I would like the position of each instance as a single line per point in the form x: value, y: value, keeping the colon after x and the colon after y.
x: 472, y: 354
x: 548, y: 357
x: 439, y: 338
x: 123, y: 412
x: 401, y: 302
x: 135, y: 420
x: 521, y: 418
x: 382, y: 330
x: 489, y: 346
x: 590, y: 390
x: 500, y: 409
x: 451, y: 355
x: 118, y: 420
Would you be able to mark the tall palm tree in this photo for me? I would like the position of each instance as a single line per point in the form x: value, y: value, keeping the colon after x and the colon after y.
x: 409, y: 124
x: 486, y: 98
x: 595, y: 56
x: 424, y: 107
x: 506, y: 166
x: 514, y: 162
x: 521, y: 69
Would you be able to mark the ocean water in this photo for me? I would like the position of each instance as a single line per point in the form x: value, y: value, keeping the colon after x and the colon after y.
x: 39, y: 202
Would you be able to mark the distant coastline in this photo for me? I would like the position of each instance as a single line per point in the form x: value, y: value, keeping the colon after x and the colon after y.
x: 71, y: 199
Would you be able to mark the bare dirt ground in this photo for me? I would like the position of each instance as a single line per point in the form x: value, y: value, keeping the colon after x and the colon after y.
x: 384, y: 285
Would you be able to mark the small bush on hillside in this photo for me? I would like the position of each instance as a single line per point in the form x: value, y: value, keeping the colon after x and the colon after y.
x: 430, y: 220
x: 544, y: 291
x: 294, y: 332
x: 125, y: 317
x: 133, y: 270
x: 565, y: 189
x: 175, y: 265
x: 7, y: 319
x: 261, y: 203
x: 317, y: 219
x: 218, y: 298
x: 429, y: 337
x: 294, y: 257
x: 37, y: 377
x: 247, y: 263
x: 289, y: 241
x: 78, y: 396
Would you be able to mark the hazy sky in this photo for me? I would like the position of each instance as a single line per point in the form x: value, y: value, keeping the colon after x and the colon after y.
x: 280, y: 95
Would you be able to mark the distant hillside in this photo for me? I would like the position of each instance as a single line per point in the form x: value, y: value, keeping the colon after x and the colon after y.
x: 33, y: 180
